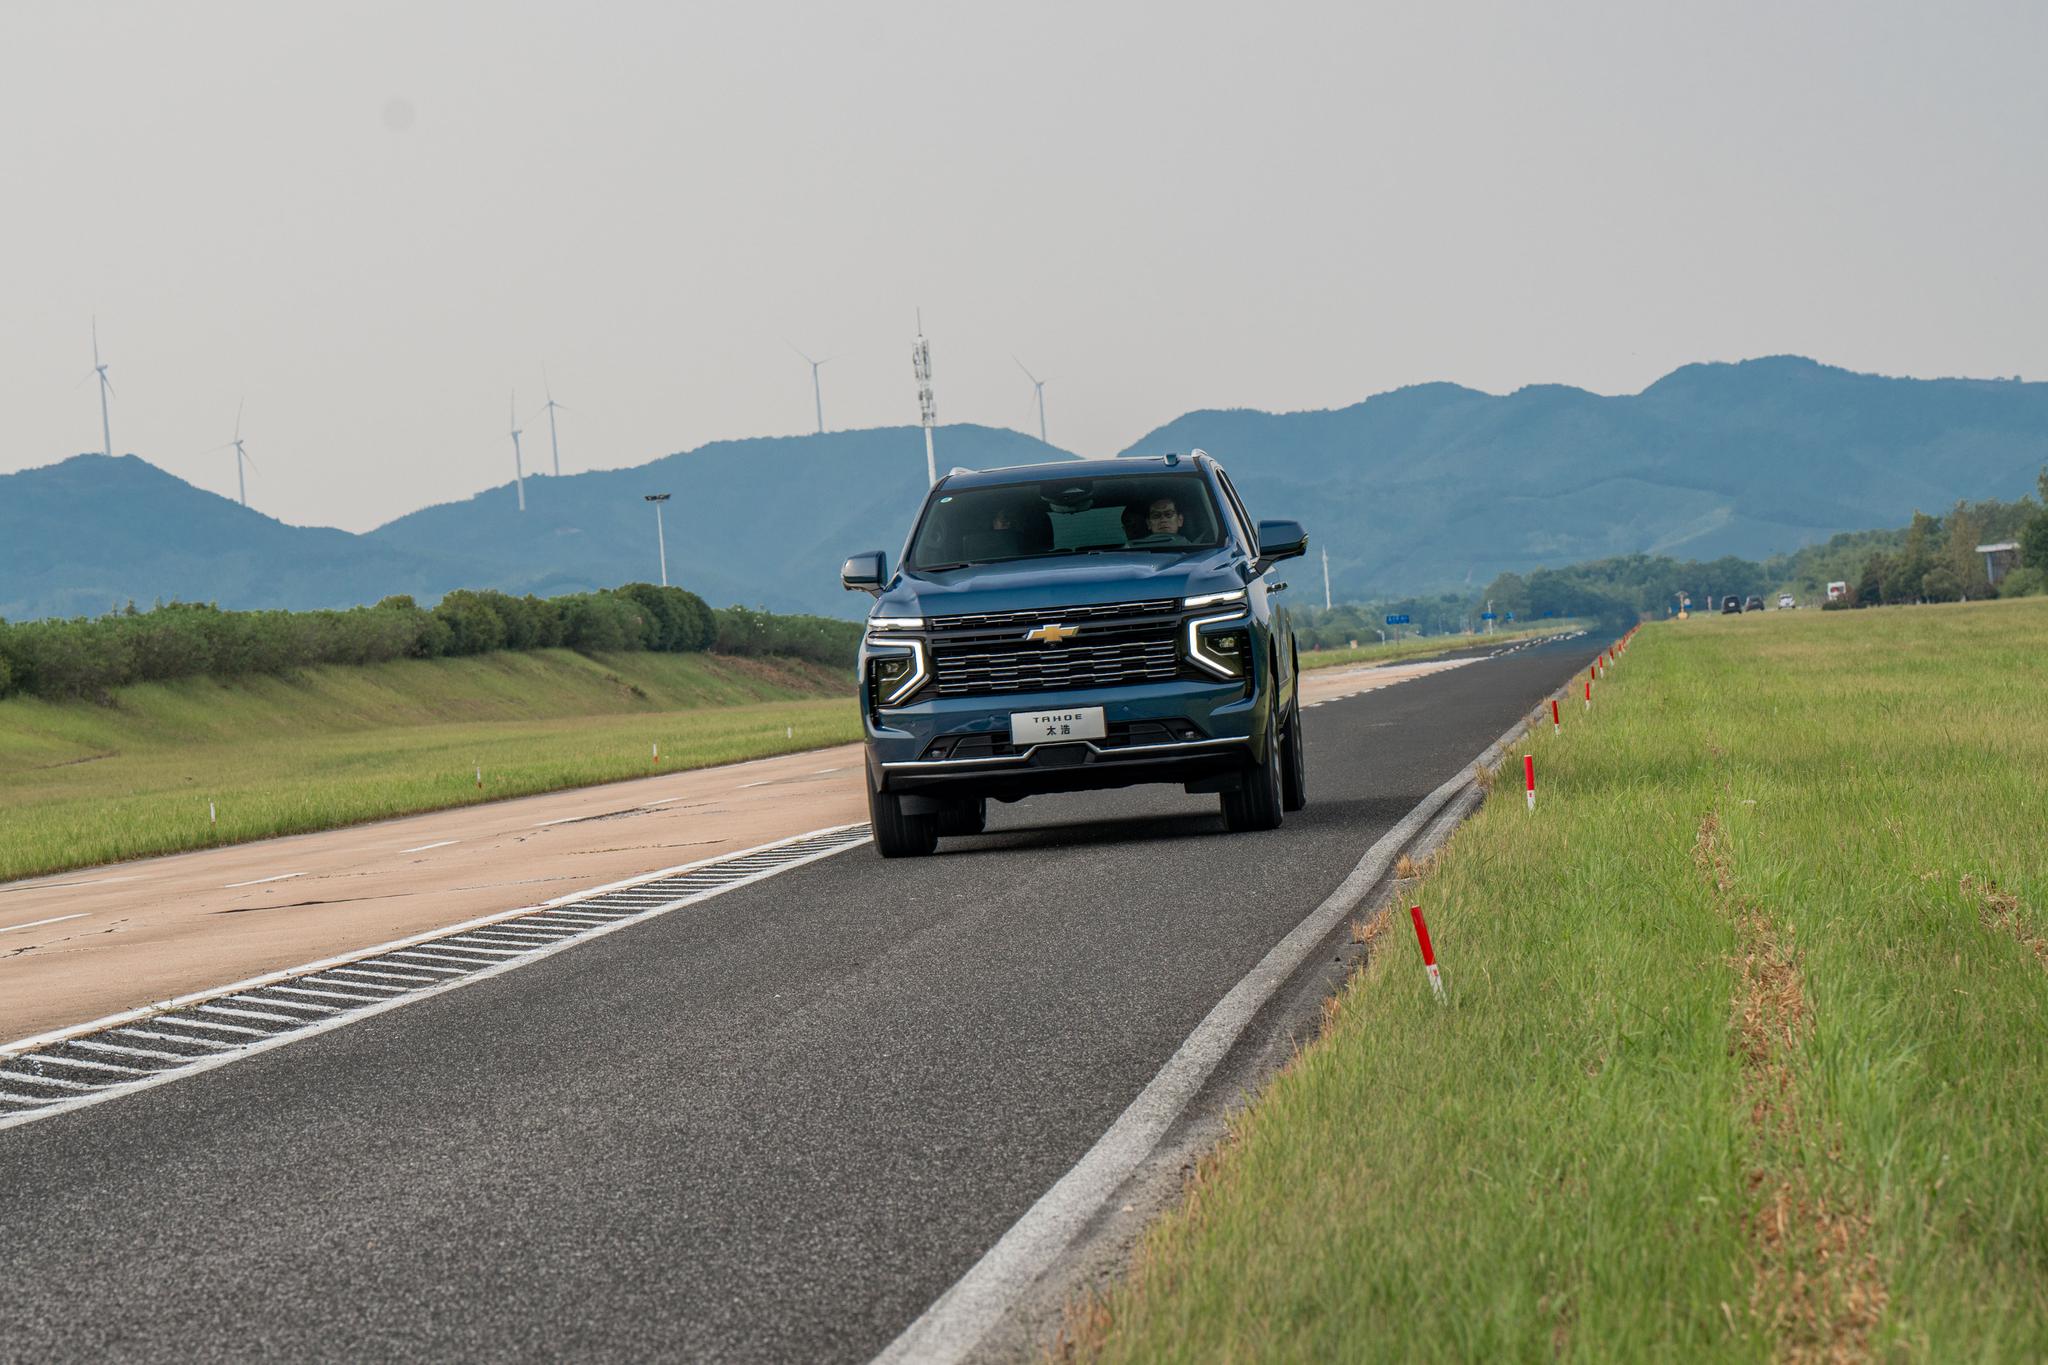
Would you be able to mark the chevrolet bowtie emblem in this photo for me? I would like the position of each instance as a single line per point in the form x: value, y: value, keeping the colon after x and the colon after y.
x: 1052, y: 635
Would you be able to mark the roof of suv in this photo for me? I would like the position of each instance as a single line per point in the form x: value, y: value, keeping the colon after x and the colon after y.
x: 1070, y: 469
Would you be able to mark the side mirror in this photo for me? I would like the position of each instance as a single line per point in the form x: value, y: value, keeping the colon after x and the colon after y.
x: 864, y: 572
x: 1280, y: 540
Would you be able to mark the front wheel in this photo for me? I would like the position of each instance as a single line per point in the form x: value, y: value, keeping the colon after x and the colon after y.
x: 898, y: 835
x: 1293, y: 763
x: 1256, y: 804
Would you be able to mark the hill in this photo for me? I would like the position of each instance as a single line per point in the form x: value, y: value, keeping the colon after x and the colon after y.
x: 762, y: 522
x: 1434, y: 486
x: 90, y: 534
x: 1420, y: 490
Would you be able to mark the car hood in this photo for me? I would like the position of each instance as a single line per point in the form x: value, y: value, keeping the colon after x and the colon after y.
x: 1067, y: 581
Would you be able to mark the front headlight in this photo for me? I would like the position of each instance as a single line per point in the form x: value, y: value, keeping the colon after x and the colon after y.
x: 1212, y: 599
x: 893, y: 676
x: 1222, y: 652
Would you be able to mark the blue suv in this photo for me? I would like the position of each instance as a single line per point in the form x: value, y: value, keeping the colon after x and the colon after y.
x: 1075, y: 626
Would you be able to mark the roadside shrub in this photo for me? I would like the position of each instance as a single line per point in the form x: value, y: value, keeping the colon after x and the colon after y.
x: 677, y: 620
x: 821, y: 639
x: 91, y: 656
x: 2024, y: 582
x: 474, y: 625
x: 600, y: 622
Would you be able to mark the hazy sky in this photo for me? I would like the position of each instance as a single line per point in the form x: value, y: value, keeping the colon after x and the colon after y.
x: 376, y: 220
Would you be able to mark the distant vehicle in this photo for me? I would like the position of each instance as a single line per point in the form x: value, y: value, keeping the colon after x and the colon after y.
x: 1753, y: 604
x: 1837, y: 591
x: 1785, y: 602
x: 1073, y: 627
x: 1732, y: 606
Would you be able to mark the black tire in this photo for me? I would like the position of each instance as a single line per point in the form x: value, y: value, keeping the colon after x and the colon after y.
x: 967, y: 817
x: 1256, y: 805
x: 898, y: 835
x: 1293, y: 763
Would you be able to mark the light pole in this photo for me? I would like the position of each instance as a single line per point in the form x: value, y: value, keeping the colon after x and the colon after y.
x: 660, y: 542
x: 1326, y: 578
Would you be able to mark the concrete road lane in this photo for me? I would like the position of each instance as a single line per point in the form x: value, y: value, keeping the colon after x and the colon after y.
x: 121, y: 936
x: 775, y: 1126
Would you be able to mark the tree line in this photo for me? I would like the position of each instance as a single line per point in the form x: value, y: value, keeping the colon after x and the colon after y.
x: 1931, y: 559
x: 91, y: 656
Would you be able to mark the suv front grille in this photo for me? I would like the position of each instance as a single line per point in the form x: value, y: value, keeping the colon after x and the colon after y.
x: 1118, y: 643
x: 1039, y: 616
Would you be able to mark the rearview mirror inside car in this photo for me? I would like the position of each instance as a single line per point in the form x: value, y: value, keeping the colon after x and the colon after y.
x: 864, y: 572
x: 1280, y: 540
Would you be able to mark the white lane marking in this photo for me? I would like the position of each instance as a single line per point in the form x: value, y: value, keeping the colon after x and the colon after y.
x: 38, y: 923
x: 333, y: 995
x: 267, y: 1041
x: 58, y: 886
x: 666, y: 800
x: 762, y: 783
x: 378, y: 973
x: 442, y: 843
x: 567, y: 819
x: 949, y: 1330
x: 176, y: 1038
x: 234, y: 1013
x: 97, y: 1046
x: 280, y: 877
x: 84, y: 1064
x: 822, y: 771
x: 43, y: 1080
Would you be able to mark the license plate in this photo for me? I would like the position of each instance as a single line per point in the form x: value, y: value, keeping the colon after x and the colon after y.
x: 1056, y: 727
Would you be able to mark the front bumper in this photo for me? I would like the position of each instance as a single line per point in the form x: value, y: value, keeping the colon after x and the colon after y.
x: 1180, y: 732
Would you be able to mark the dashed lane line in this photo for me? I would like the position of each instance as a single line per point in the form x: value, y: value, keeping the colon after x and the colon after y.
x: 39, y: 923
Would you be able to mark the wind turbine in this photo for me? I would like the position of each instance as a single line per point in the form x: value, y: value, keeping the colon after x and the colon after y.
x: 518, y: 465
x: 241, y: 455
x: 1038, y: 384
x: 106, y: 387
x: 554, y: 448
x: 241, y: 479
x: 817, y: 393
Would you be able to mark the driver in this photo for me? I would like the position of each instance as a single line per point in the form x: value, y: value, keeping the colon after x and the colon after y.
x: 1163, y: 519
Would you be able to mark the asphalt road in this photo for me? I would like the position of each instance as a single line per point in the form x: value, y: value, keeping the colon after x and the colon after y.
x: 773, y: 1126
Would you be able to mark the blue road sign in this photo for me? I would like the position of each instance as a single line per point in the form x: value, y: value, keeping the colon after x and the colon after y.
x: 1397, y: 620
x: 1486, y: 616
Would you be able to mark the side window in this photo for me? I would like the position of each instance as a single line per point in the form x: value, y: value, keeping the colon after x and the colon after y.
x: 1249, y: 533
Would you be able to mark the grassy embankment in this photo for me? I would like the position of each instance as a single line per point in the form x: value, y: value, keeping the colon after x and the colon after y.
x: 1429, y: 647
x: 82, y: 783
x: 1746, y: 1055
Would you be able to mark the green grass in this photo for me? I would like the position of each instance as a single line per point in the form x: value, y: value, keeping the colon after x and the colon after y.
x: 82, y: 784
x: 1429, y: 647
x: 1585, y: 1153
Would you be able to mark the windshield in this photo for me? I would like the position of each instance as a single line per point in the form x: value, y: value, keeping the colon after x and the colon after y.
x: 1147, y: 513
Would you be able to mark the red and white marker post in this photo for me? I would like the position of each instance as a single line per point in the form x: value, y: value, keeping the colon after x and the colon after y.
x: 656, y: 746
x: 1589, y: 694
x: 1436, y: 979
x: 1529, y: 777
x: 1556, y: 725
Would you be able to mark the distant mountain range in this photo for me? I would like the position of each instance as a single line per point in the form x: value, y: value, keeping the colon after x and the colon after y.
x: 1420, y: 489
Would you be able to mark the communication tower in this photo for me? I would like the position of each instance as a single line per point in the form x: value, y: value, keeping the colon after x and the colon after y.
x: 921, y: 362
